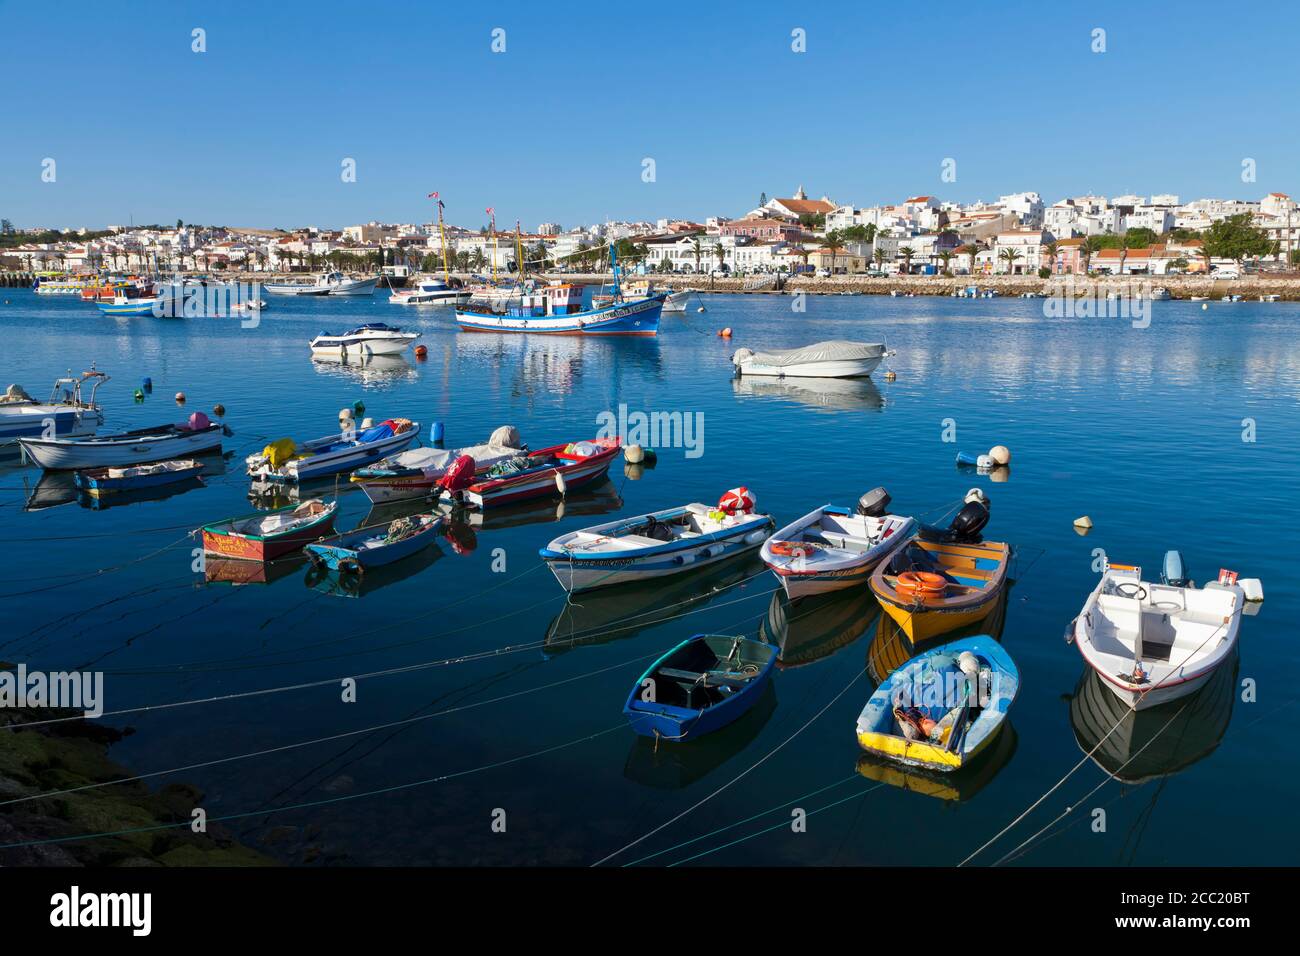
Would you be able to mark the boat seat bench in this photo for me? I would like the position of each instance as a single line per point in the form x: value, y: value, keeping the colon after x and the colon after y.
x: 696, y: 676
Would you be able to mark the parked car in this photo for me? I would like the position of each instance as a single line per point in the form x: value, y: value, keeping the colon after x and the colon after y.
x: 1226, y: 272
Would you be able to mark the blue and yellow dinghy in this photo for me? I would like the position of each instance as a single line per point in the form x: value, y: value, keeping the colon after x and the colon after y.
x: 657, y: 544
x: 376, y: 545
x: 701, y: 685
x: 941, y: 709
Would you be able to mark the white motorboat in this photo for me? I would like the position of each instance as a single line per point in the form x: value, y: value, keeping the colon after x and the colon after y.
x: 1151, y: 642
x: 1160, y: 294
x: 429, y: 292
x: 67, y: 413
x: 832, y: 359
x: 329, y: 283
x: 831, y: 548
x: 193, y: 437
x: 677, y: 301
x: 375, y: 338
x: 654, y: 545
x: 415, y: 472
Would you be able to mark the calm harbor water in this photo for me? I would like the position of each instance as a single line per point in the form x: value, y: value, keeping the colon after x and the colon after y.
x: 509, y: 700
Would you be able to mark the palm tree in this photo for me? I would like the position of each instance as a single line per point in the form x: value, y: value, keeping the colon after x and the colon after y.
x: 946, y: 258
x: 1050, y: 249
x: 696, y: 248
x: 1009, y: 256
x: 1090, y: 245
x: 834, y: 241
x: 907, y: 252
x: 1123, y: 257
x: 804, y: 253
x: 879, y: 256
x: 970, y: 251
x: 1207, y: 256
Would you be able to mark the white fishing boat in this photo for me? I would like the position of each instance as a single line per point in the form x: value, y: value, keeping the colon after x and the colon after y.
x: 1160, y: 294
x: 66, y: 414
x: 429, y: 292
x: 658, y: 544
x: 678, y: 301
x: 1153, y: 642
x: 193, y: 437
x: 329, y: 283
x: 831, y: 548
x: 415, y: 473
x: 832, y: 359
x: 285, y: 460
x: 375, y: 338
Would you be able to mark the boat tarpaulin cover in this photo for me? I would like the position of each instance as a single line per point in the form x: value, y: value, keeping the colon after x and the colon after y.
x: 833, y: 351
x: 279, y: 451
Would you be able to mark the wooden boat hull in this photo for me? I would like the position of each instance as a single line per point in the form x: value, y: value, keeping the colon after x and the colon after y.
x: 58, y: 454
x: 638, y: 318
x: 877, y: 729
x: 659, y: 719
x: 541, y: 483
x: 585, y: 571
x: 923, y: 619
x: 342, y: 552
x: 98, y: 482
x: 221, y: 539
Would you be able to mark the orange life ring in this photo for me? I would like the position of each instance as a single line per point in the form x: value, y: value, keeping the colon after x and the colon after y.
x: 923, y: 583
x: 789, y: 549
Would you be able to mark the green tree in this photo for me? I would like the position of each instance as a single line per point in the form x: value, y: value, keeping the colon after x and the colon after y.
x: 1237, y: 238
x: 907, y: 252
x: 1009, y: 256
x: 833, y: 243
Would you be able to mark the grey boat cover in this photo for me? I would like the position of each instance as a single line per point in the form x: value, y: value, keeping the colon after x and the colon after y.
x: 836, y: 350
x: 504, y: 443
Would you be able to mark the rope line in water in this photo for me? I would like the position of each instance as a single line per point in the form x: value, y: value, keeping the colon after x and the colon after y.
x: 318, y: 740
x: 323, y: 802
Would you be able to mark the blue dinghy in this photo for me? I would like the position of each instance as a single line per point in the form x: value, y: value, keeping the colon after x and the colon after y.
x: 376, y: 545
x: 699, y: 686
x: 942, y: 708
x: 103, y: 481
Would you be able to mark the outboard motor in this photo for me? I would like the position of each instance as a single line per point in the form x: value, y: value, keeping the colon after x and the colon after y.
x: 1173, y: 573
x: 968, y: 522
x: 874, y: 504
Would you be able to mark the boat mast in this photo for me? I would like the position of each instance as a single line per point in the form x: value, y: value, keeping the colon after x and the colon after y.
x: 442, y: 235
x: 613, y: 265
x: 519, y: 252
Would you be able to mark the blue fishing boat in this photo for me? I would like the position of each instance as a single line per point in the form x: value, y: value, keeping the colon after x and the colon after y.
x: 376, y: 545
x: 941, y: 709
x: 285, y: 460
x: 699, y: 686
x: 104, y: 481
x: 127, y: 305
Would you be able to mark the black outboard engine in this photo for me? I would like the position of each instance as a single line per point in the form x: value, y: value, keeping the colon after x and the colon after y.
x: 874, y: 504
x: 968, y: 523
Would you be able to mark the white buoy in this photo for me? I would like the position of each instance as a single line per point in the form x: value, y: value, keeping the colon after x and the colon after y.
x: 700, y: 309
x: 634, y: 454
x: 1000, y: 454
x: 983, y: 461
x: 976, y: 494
x: 367, y: 422
x: 560, y: 486
x: 1204, y: 305
x: 1253, y: 588
x: 1083, y: 522
x: 345, y: 414
x: 180, y: 398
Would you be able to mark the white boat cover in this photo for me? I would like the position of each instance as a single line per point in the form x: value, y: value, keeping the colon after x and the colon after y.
x: 835, y: 350
x: 503, y: 443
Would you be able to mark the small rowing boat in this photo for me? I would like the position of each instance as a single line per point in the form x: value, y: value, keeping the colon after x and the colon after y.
x: 833, y: 359
x: 699, y: 686
x: 353, y: 552
x: 538, y: 474
x: 104, y: 481
x: 268, y: 535
x: 658, y: 544
x: 1153, y: 642
x: 192, y: 437
x: 941, y: 709
x: 415, y: 473
x: 284, y: 460
x: 933, y: 587
x: 831, y: 548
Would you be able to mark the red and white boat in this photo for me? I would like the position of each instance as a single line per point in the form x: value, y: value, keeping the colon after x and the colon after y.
x: 542, y: 473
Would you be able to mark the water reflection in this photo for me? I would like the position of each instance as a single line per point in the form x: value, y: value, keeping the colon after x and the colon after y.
x: 830, y: 394
x: 373, y: 371
x: 236, y: 572
x: 816, y: 627
x: 624, y: 611
x: 958, y: 786
x: 1154, y: 743
x: 535, y: 365
x: 347, y: 585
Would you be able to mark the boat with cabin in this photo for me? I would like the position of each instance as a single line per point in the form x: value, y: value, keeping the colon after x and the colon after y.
x: 66, y: 414
x: 430, y: 291
x: 373, y: 338
x: 328, y: 283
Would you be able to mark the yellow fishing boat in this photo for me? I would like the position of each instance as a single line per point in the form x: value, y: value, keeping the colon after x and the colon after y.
x: 934, y: 587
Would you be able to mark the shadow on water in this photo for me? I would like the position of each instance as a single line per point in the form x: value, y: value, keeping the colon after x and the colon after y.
x: 674, y: 766
x: 352, y: 585
x: 829, y: 394
x: 813, y: 628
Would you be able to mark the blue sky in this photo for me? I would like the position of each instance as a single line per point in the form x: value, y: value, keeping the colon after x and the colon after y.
x: 253, y: 132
